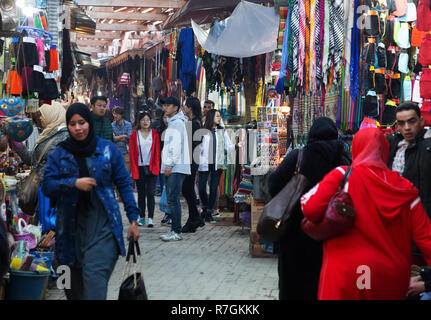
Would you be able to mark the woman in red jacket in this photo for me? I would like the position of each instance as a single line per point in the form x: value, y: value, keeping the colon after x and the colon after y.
x: 144, y: 151
x: 373, y: 259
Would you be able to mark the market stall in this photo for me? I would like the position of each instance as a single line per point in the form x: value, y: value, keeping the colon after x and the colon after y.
x: 31, y: 67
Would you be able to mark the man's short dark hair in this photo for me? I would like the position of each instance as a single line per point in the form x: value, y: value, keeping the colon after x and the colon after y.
x: 95, y: 98
x: 409, y: 105
x: 174, y: 101
x: 210, y: 102
x: 118, y: 110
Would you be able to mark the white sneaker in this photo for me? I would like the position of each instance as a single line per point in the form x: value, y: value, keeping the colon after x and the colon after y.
x: 150, y: 223
x: 171, y: 236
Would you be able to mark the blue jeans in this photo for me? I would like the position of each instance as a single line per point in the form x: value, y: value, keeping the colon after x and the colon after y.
x: 214, y: 182
x: 174, y: 184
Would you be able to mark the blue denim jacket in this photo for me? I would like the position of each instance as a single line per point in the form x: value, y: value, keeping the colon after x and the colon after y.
x: 107, y: 167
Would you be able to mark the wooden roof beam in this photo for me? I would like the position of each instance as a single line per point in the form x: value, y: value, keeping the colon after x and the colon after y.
x: 133, y: 3
x: 127, y: 16
x: 120, y: 27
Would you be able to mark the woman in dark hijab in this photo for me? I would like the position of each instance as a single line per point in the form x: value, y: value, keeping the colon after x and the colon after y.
x: 79, y: 175
x: 300, y: 257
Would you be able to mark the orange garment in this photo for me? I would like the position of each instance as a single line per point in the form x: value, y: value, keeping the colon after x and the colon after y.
x: 14, y: 83
x: 53, y: 59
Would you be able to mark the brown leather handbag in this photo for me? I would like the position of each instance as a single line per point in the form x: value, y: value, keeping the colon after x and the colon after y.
x: 339, y: 217
x: 272, y: 223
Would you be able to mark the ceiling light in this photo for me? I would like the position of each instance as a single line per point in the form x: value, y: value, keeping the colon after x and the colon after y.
x: 121, y: 9
x: 147, y: 10
x: 157, y: 22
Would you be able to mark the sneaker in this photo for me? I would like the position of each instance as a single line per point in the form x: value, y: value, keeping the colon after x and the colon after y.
x: 141, y: 221
x: 165, y: 219
x: 171, y: 236
x: 216, y: 213
x: 209, y: 218
x: 150, y: 223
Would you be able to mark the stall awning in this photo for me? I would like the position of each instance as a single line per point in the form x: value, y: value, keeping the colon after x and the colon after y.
x: 204, y: 11
x: 76, y: 19
x: 132, y: 54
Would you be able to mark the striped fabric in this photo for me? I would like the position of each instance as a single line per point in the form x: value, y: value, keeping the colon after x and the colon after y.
x: 307, y: 44
x: 301, y: 56
x: 295, y: 33
x: 312, y: 70
x: 338, y: 28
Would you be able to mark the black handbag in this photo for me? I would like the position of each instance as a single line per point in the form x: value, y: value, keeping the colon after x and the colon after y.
x: 273, y: 221
x: 133, y: 287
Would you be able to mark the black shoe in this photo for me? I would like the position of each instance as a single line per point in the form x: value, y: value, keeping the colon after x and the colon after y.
x: 188, y: 228
x: 165, y: 219
x: 209, y: 217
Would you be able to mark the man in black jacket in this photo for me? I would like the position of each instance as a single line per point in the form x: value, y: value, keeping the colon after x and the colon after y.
x: 410, y: 155
x: 410, y: 151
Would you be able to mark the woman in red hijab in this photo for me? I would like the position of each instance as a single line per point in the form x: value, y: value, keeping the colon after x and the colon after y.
x: 373, y: 259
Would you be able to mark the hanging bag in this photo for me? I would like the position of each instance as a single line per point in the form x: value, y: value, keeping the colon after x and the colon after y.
x: 28, y: 188
x: 133, y: 287
x: 425, y: 83
x: 273, y: 221
x: 339, y: 217
x: 424, y: 56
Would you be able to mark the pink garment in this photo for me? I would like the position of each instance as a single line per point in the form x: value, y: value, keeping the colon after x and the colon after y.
x: 40, y: 50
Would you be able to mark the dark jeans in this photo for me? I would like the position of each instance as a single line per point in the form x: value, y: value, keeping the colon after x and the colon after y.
x: 173, y: 189
x: 189, y: 193
x: 214, y: 182
x: 146, y: 186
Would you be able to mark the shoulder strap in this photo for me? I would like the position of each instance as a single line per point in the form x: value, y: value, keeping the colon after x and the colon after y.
x: 345, y: 178
x: 299, y: 161
x: 139, y: 146
x: 45, y: 149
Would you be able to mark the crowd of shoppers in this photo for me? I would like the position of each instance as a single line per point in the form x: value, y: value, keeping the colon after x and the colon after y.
x: 88, y: 157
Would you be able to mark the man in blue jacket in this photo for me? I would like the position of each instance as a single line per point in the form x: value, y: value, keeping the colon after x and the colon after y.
x: 175, y: 163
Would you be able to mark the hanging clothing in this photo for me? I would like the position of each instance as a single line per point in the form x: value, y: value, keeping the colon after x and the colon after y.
x: 186, y: 59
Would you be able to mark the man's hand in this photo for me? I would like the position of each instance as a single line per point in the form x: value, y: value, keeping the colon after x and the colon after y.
x: 417, y: 286
x: 85, y: 184
x: 133, y: 231
x: 167, y: 172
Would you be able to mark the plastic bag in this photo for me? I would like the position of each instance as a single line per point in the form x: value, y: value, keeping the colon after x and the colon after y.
x: 163, y: 205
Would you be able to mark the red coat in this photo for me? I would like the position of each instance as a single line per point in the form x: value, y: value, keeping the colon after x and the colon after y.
x: 134, y: 154
x: 389, y: 215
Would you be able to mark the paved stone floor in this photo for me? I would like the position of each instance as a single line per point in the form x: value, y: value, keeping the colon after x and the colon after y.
x: 213, y: 263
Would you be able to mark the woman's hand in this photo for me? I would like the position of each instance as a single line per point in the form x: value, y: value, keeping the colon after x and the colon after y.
x: 133, y: 231
x: 85, y: 184
x: 417, y: 286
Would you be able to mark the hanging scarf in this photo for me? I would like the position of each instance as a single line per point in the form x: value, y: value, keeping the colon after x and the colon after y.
x: 355, y: 56
x: 337, y: 30
x: 295, y: 30
x: 307, y: 45
x: 312, y: 68
x: 301, y: 55
x: 326, y: 36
